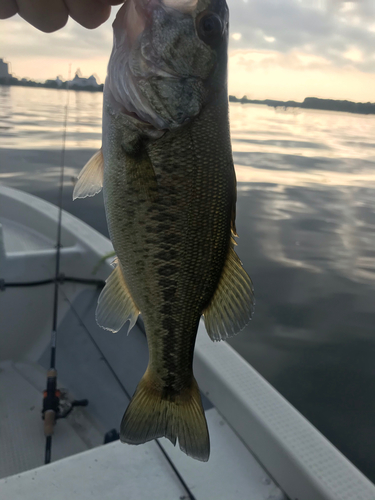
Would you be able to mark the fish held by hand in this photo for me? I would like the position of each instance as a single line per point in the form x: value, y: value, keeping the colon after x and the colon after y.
x: 169, y: 188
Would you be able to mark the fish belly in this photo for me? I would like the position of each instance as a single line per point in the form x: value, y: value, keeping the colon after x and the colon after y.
x: 169, y: 207
x: 169, y: 215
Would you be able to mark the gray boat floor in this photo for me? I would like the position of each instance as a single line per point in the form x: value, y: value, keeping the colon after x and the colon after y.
x: 92, y: 364
x: 105, y: 368
x: 97, y: 364
x: 22, y: 435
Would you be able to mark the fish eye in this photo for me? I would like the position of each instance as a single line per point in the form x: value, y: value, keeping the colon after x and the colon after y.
x: 210, y: 29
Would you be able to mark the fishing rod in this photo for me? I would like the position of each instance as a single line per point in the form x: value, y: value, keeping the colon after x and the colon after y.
x: 51, y: 396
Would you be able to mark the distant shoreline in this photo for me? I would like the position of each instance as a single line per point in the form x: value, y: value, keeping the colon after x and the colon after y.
x: 314, y: 103
x: 48, y: 84
x: 308, y: 103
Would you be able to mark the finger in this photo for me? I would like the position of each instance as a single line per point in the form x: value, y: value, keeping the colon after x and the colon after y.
x: 88, y: 13
x: 8, y: 8
x: 46, y: 15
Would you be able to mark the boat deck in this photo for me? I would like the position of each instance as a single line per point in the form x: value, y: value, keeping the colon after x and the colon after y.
x: 22, y: 436
x: 116, y: 471
x: 139, y: 472
x: 246, y: 416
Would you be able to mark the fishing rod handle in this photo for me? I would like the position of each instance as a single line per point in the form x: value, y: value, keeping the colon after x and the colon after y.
x: 49, y: 422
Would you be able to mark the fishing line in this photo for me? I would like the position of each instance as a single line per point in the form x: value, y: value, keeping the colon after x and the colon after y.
x: 58, y: 246
x: 50, y: 401
x: 123, y: 388
x: 75, y: 312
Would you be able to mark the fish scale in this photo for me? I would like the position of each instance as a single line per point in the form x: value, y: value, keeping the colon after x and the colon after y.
x: 201, y: 247
x: 170, y: 193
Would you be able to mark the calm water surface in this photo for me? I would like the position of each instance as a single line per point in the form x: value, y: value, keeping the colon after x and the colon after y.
x: 306, y: 220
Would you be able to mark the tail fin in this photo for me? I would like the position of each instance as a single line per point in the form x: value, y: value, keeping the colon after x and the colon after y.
x: 150, y: 415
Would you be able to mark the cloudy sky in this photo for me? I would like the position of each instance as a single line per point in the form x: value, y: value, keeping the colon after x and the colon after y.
x: 281, y: 49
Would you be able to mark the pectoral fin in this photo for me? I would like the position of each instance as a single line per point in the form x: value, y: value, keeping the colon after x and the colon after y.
x: 233, y: 302
x: 90, y: 179
x: 115, y: 304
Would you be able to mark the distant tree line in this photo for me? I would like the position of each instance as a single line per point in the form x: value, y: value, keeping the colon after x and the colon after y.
x: 48, y: 84
x: 314, y: 103
x: 362, y: 108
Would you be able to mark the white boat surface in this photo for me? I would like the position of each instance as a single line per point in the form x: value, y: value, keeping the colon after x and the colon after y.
x: 261, y: 447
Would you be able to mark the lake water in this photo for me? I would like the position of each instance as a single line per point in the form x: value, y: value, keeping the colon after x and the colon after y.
x: 306, y: 220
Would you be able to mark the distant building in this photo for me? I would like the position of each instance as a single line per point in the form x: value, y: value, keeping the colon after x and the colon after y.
x: 79, y: 81
x: 4, y: 69
x: 59, y: 81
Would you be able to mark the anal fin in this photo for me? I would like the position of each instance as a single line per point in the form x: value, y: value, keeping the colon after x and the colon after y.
x: 232, y: 304
x: 115, y: 304
x: 90, y: 179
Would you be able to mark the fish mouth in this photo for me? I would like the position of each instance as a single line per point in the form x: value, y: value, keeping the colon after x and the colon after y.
x: 128, y: 68
x: 152, y: 76
x: 137, y: 12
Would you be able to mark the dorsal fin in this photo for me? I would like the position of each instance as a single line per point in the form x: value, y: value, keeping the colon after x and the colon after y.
x: 232, y: 304
x: 90, y: 179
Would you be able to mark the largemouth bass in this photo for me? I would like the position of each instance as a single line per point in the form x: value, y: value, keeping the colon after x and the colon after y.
x: 170, y: 193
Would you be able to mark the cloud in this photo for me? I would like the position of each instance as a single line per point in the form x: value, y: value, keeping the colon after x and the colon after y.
x: 300, y: 36
x: 292, y: 60
x: 294, y: 75
x: 38, y: 55
x: 20, y: 39
x: 332, y: 29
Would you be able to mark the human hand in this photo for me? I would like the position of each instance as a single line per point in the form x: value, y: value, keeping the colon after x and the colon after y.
x: 51, y: 15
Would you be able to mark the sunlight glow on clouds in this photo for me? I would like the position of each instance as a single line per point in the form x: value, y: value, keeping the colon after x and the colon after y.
x: 354, y: 55
x: 347, y: 6
x: 40, y: 56
x: 294, y: 76
x: 278, y: 49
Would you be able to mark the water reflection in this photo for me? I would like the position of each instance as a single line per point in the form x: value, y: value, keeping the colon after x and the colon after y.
x: 310, y: 250
x: 339, y: 134
x: 34, y: 118
x: 306, y: 220
x: 320, y: 229
x: 284, y: 143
